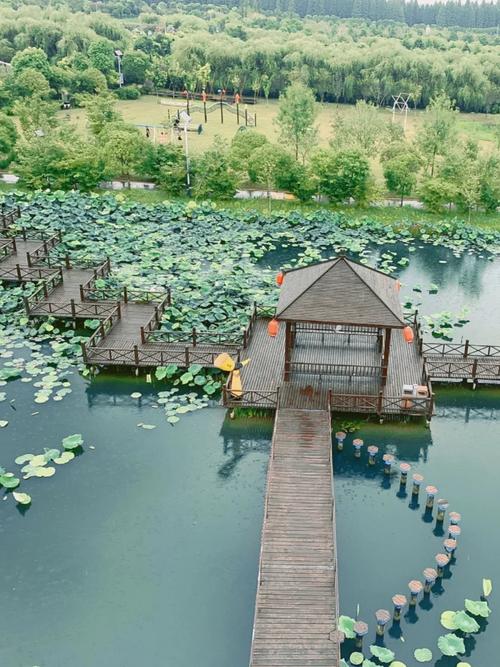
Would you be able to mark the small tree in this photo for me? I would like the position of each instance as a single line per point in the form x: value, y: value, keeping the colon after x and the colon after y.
x: 342, y: 175
x: 100, y: 112
x: 214, y: 178
x: 262, y: 168
x: 8, y: 139
x: 363, y: 129
x: 436, y: 193
x: 123, y: 150
x: 101, y: 56
x: 400, y: 173
x: 134, y: 67
x: 242, y: 147
x: 438, y: 130
x: 167, y: 165
x: 30, y: 83
x: 296, y: 115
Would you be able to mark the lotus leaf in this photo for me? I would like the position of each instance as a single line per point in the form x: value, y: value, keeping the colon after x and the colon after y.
x: 356, y: 658
x: 451, y: 644
x: 136, y: 394
x: 65, y: 457
x: 22, y: 498
x: 465, y: 623
x: 9, y: 481
x: 448, y: 620
x: 72, y: 441
x: 3, y: 423
x: 382, y: 653
x: 51, y: 454
x: 423, y: 655
x: 172, y: 419
x: 346, y: 625
x: 487, y: 587
x: 477, y: 608
x: 24, y: 458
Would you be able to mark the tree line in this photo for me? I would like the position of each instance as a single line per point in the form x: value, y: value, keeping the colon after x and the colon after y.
x: 341, y: 61
x: 437, y: 165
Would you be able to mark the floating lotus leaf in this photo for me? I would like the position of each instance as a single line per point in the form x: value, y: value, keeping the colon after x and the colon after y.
x: 46, y: 472
x: 463, y: 664
x: 451, y: 645
x: 65, y: 457
x: 397, y: 663
x: 423, y: 655
x: 24, y: 458
x: 368, y: 663
x: 465, y: 623
x: 9, y: 481
x: 148, y: 427
x: 172, y: 419
x: 51, y: 454
x: 161, y: 373
x: 343, y: 663
x: 3, y: 423
x: 356, y: 658
x: 72, y: 441
x: 346, y: 625
x: 38, y: 460
x: 22, y: 498
x: 382, y: 653
x: 478, y: 608
x: 448, y: 620
x: 487, y: 587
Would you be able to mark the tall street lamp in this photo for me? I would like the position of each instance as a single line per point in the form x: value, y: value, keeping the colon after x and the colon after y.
x: 119, y: 56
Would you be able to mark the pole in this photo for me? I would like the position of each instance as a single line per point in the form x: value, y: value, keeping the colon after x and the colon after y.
x: 205, y: 110
x: 186, y: 150
x: 246, y: 117
x: 238, y: 114
x: 221, y: 112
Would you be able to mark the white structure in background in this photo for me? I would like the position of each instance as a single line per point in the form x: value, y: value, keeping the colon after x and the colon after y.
x: 400, y: 105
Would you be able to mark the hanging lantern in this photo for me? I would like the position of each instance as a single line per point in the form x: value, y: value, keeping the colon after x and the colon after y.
x: 398, y: 285
x: 408, y: 334
x: 279, y: 279
x: 273, y: 328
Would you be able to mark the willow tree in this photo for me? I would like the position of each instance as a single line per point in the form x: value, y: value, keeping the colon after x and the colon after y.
x: 296, y: 116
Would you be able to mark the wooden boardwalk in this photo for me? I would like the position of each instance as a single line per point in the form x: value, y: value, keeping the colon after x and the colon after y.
x: 296, y: 609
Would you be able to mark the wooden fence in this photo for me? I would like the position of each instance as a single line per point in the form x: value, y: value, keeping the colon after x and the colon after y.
x: 464, y: 369
x: 464, y: 350
x: 42, y: 253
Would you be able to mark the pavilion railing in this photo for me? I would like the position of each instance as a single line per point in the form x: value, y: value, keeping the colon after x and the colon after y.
x: 320, y: 369
x: 102, y: 331
x: 380, y: 404
x: 192, y: 337
x: 463, y: 369
x: 257, y: 311
x: 464, y: 350
x: 151, y: 357
x: 261, y: 398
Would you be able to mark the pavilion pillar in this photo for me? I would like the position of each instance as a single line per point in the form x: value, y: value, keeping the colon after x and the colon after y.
x: 288, y: 350
x: 385, y: 358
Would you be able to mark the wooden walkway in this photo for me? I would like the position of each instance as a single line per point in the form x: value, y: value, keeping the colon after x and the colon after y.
x: 296, y: 609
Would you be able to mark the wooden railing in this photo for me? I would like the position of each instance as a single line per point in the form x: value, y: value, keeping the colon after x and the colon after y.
x: 149, y: 356
x: 23, y: 274
x: 263, y: 398
x: 8, y: 217
x: 102, y: 331
x: 257, y: 311
x: 380, y: 404
x: 464, y: 369
x: 42, y: 293
x: 319, y: 369
x: 193, y: 337
x: 7, y: 248
x: 41, y: 253
x: 464, y: 350
x: 155, y: 320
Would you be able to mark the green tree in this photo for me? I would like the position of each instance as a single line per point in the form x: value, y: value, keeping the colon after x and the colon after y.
x: 8, y: 139
x: 134, y: 67
x: 101, y: 56
x: 167, y: 165
x: 438, y: 130
x: 242, y: 147
x: 35, y: 116
x: 214, y: 178
x: 30, y: 83
x: 400, y: 172
x: 436, y: 193
x: 31, y: 58
x: 364, y: 128
x: 123, y: 150
x: 60, y: 160
x: 101, y: 112
x: 342, y: 175
x: 296, y: 116
x: 262, y: 167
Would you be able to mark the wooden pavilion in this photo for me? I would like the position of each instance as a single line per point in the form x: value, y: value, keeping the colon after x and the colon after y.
x: 339, y: 316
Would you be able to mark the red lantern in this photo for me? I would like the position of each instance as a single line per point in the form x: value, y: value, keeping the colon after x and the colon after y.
x: 273, y: 328
x: 408, y: 334
x: 279, y: 279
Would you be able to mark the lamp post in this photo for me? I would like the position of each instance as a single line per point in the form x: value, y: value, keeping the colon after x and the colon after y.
x: 119, y: 56
x: 185, y: 119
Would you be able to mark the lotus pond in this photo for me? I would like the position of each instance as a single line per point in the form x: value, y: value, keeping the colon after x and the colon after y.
x: 138, y: 540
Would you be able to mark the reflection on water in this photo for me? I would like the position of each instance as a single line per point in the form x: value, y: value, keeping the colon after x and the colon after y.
x: 386, y: 538
x: 140, y: 552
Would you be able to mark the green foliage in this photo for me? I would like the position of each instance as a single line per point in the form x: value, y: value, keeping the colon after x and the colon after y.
x: 30, y: 83
x: 101, y: 112
x: 33, y: 59
x: 400, y: 172
x: 383, y: 654
x: 451, y: 645
x: 214, y: 177
x: 362, y: 130
x: 8, y: 138
x: 346, y: 625
x: 423, y: 655
x: 101, y: 56
x: 296, y: 116
x: 123, y: 149
x: 342, y: 175
x: 128, y: 93
x: 478, y: 608
x: 436, y: 193
x: 243, y: 145
x: 438, y: 130
x: 134, y: 67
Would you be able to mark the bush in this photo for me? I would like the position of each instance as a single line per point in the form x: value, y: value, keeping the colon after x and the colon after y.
x: 342, y: 175
x: 128, y: 93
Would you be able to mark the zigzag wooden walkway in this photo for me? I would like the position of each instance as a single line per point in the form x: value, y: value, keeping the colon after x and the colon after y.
x: 296, y: 609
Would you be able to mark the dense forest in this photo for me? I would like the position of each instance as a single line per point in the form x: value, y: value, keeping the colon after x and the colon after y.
x: 443, y: 13
x: 341, y: 60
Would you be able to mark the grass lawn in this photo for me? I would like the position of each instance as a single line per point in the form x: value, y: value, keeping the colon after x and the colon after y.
x: 147, y: 110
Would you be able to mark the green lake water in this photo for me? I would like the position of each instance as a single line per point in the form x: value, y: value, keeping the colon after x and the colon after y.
x: 144, y: 550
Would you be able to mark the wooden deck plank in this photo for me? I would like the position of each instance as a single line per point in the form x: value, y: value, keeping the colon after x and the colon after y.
x: 296, y: 607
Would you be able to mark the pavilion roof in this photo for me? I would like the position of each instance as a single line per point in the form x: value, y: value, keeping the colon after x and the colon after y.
x: 340, y: 291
